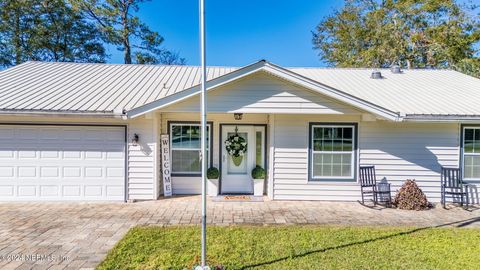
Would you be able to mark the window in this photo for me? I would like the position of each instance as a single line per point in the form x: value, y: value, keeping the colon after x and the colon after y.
x: 185, y: 144
x: 332, y: 151
x: 259, y: 146
x: 471, y: 153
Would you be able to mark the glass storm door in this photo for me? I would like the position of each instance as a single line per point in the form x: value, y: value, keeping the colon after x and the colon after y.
x: 236, y: 174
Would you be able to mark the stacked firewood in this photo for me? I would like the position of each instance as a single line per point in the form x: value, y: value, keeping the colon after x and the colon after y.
x: 411, y: 197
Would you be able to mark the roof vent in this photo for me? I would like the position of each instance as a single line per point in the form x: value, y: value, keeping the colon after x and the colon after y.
x: 376, y: 75
x: 396, y: 69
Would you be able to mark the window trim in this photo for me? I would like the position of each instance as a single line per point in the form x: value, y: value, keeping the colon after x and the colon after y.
x: 462, y: 151
x: 354, y: 152
x: 184, y: 123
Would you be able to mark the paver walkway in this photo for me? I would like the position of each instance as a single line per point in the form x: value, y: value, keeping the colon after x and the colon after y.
x: 78, y: 235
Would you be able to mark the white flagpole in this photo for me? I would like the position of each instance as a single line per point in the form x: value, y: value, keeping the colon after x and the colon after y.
x: 204, y: 132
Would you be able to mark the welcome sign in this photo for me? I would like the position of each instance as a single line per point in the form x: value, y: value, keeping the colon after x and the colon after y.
x: 166, y: 165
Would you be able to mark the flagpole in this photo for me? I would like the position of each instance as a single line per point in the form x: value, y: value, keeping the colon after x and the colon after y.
x: 204, y: 132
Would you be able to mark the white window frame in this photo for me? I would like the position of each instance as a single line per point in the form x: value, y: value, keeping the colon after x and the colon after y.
x: 171, y: 125
x: 353, y: 152
x: 467, y: 154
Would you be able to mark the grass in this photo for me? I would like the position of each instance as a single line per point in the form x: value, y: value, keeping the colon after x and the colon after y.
x: 298, y: 247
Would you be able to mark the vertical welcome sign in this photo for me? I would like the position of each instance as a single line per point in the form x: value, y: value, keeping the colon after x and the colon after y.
x: 166, y: 165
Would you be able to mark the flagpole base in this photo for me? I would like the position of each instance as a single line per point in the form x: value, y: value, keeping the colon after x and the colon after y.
x: 199, y: 267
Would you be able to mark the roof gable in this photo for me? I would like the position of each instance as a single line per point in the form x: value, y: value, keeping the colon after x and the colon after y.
x: 262, y: 92
x: 275, y: 71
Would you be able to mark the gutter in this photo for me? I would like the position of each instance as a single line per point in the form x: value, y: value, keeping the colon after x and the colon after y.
x: 39, y: 113
x: 441, y: 118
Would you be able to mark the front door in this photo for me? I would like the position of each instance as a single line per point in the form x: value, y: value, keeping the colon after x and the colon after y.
x: 236, y: 171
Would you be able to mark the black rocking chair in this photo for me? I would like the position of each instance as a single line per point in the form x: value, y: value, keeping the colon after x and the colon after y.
x: 369, y: 186
x: 453, y: 185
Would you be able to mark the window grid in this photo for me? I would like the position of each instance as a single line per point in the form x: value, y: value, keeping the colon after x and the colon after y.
x: 471, y: 153
x: 342, y: 160
x: 184, y: 150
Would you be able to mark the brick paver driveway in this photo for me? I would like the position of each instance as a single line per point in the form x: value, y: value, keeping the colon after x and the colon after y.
x: 78, y: 235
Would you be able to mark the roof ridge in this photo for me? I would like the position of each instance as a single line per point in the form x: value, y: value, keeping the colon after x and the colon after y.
x: 367, y: 68
x: 120, y: 64
x: 236, y: 67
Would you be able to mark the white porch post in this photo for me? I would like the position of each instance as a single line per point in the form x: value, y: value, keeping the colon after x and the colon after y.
x: 271, y: 156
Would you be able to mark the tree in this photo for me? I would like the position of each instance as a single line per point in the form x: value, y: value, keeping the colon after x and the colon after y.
x: 413, y: 34
x: 66, y: 36
x: 120, y: 27
x: 46, y: 30
x: 17, y: 21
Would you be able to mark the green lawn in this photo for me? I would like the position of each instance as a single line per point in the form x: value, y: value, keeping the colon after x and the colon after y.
x: 299, y: 247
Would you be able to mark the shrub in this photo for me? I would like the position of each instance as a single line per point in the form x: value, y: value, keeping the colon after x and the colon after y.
x: 411, y: 197
x: 212, y: 173
x: 258, y: 173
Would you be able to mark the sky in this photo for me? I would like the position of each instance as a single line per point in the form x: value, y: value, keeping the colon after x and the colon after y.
x: 239, y: 32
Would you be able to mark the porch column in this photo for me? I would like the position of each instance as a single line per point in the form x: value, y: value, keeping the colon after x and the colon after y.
x: 271, y: 155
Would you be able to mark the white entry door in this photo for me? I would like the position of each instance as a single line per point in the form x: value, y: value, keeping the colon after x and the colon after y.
x: 236, y: 176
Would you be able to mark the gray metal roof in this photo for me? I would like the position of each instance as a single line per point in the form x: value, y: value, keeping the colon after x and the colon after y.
x: 102, y: 88
x: 75, y: 87
x: 412, y: 92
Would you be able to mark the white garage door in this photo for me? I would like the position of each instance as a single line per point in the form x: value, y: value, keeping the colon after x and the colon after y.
x: 40, y: 162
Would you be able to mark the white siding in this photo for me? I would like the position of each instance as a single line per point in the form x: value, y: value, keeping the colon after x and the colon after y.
x: 192, y: 185
x: 399, y: 151
x: 142, y: 175
x: 403, y: 151
x: 264, y: 93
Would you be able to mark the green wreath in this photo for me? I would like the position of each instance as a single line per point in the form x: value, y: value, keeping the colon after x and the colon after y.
x: 236, y: 146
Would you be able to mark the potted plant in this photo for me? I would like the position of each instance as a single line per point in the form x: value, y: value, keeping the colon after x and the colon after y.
x: 258, y: 175
x: 212, y: 185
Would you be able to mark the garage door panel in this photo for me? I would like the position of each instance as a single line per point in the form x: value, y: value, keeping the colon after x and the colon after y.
x: 7, y: 191
x: 26, y: 171
x: 114, y: 190
x: 26, y: 153
x: 115, y: 155
x: 49, y: 191
x: 72, y: 172
x: 92, y: 154
x: 72, y: 153
x: 93, y: 191
x: 27, y: 191
x: 46, y: 172
x: 62, y: 163
x: 50, y: 154
x: 7, y: 171
x: 7, y: 153
x: 72, y: 191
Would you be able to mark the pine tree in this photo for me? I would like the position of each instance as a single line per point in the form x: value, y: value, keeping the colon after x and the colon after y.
x: 46, y: 30
x: 120, y: 27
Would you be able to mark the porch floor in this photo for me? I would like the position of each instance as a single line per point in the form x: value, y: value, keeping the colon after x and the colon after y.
x: 186, y: 210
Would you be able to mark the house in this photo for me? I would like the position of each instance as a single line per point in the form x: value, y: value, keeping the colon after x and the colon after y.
x: 71, y: 131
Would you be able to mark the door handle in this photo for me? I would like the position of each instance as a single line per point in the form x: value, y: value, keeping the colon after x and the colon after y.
x: 224, y: 159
